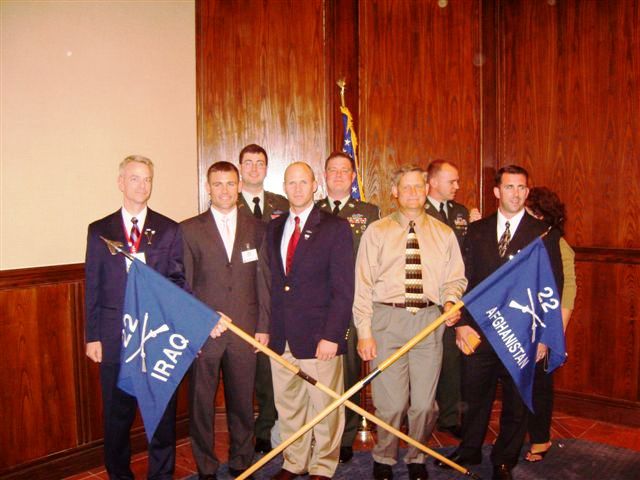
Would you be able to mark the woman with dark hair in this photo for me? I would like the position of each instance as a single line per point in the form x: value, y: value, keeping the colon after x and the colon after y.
x: 545, y: 205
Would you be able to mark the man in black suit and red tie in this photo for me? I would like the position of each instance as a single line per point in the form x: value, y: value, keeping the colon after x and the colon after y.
x: 490, y: 242
x: 308, y: 263
x: 221, y: 256
x: 156, y: 240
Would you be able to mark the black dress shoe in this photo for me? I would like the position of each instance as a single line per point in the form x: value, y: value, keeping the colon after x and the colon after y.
x: 502, y: 472
x: 207, y: 477
x: 455, y: 457
x: 346, y: 454
x: 382, y: 471
x: 237, y: 472
x: 262, y: 445
x: 417, y: 471
x: 454, y: 430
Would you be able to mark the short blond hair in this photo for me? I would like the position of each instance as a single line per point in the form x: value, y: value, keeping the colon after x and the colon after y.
x: 135, y: 158
x: 404, y: 169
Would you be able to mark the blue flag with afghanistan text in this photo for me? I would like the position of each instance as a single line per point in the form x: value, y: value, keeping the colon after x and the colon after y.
x: 350, y: 147
x: 163, y: 329
x: 518, y: 306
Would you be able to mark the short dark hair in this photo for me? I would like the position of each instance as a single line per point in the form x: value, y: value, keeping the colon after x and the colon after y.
x: 514, y: 170
x: 223, y: 166
x: 253, y: 148
x: 435, y: 166
x: 545, y: 203
x: 340, y: 155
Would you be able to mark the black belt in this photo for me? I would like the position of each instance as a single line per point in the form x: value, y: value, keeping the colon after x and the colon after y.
x: 404, y: 305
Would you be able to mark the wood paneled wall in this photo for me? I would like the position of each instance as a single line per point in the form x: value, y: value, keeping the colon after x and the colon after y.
x: 50, y: 398
x: 553, y: 86
x: 568, y: 110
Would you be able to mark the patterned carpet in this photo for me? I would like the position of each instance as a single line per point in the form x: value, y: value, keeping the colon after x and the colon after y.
x: 568, y: 460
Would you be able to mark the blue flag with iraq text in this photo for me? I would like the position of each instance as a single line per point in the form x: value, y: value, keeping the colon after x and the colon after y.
x: 163, y: 329
x: 517, y: 307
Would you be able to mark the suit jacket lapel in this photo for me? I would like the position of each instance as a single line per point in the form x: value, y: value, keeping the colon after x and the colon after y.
x: 278, y: 231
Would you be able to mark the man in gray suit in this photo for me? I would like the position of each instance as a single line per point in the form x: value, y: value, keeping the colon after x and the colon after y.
x: 221, y: 255
x: 265, y: 206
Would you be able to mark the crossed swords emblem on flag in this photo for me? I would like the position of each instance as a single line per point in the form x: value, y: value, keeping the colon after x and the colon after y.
x: 127, y: 334
x: 530, y: 309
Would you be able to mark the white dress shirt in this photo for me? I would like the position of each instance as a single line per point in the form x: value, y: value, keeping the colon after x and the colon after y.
x: 226, y: 223
x: 513, y: 223
x: 289, y: 226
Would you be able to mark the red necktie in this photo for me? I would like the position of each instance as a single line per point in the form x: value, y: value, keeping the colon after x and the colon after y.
x: 293, y: 243
x: 134, y: 236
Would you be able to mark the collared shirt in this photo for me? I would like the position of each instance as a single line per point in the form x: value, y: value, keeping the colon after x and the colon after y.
x: 380, y: 266
x: 437, y: 203
x: 513, y: 223
x: 231, y: 219
x: 126, y: 218
x: 289, y: 226
x: 248, y: 197
x: 343, y: 202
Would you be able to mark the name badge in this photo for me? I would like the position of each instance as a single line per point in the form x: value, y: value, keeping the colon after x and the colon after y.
x: 139, y: 255
x: 250, y: 256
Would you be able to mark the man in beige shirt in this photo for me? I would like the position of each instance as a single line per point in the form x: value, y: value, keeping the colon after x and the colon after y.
x: 409, y: 269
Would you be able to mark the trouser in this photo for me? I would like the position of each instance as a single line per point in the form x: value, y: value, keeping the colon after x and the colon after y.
x: 298, y: 402
x: 119, y: 411
x: 408, y: 386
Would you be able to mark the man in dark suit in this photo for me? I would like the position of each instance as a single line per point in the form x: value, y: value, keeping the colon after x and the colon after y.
x: 265, y: 206
x: 444, y: 183
x: 308, y: 262
x: 220, y: 256
x: 489, y: 243
x: 340, y: 172
x: 155, y: 239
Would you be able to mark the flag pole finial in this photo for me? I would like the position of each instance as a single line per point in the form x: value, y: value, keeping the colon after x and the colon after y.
x: 116, y: 247
x: 342, y: 84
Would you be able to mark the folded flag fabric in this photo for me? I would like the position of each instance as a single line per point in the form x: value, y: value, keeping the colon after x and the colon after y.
x: 517, y: 307
x: 164, y: 327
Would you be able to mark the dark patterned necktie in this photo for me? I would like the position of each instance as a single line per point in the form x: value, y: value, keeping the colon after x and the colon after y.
x: 134, y: 236
x: 413, y: 273
x: 257, y: 211
x: 336, y: 207
x: 443, y: 213
x: 503, y: 244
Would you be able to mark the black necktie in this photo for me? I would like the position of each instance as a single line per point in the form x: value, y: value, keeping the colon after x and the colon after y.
x: 503, y: 244
x: 257, y: 211
x: 336, y: 208
x: 443, y: 213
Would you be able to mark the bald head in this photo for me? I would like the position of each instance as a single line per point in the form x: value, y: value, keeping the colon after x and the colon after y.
x: 299, y: 185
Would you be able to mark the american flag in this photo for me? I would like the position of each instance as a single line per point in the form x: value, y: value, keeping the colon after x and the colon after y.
x: 350, y: 147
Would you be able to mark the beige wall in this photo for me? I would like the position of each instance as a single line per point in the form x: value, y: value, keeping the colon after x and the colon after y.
x: 83, y: 84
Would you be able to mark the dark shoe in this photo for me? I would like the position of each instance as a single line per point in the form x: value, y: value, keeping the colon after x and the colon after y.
x: 454, y: 430
x: 262, y: 445
x: 455, y: 457
x: 382, y: 471
x: 346, y: 454
x: 207, y: 477
x: 286, y: 475
x: 502, y: 472
x: 318, y: 477
x: 236, y: 473
x: 417, y: 471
